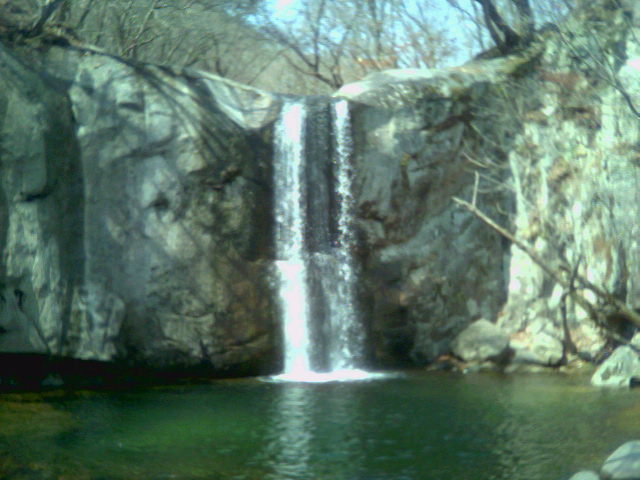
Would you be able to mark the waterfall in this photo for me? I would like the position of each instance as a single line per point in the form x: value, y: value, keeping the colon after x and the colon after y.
x: 346, y: 339
x: 290, y: 205
x: 314, y: 241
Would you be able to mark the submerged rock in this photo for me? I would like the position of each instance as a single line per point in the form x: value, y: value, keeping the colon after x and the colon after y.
x: 22, y: 416
x: 619, y: 369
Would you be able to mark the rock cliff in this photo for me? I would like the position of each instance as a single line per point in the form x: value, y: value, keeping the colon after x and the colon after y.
x: 428, y: 267
x: 134, y: 214
x: 575, y: 177
x: 551, y: 135
x: 136, y: 204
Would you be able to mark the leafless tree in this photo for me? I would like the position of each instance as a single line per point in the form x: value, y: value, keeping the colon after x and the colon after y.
x: 339, y: 40
x: 507, y: 24
x: 181, y: 33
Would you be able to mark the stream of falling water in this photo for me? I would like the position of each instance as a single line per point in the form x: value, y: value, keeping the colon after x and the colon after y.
x: 332, y: 269
x: 345, y: 342
x: 290, y: 205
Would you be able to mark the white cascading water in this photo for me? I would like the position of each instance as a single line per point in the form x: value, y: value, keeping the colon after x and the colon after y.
x: 346, y: 338
x: 343, y: 337
x: 290, y: 210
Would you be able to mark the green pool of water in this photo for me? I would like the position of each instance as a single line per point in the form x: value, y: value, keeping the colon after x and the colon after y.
x: 428, y: 426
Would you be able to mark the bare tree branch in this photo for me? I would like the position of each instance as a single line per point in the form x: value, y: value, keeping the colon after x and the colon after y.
x: 47, y: 10
x: 503, y: 35
x: 526, y: 18
x: 615, y: 306
x: 135, y: 42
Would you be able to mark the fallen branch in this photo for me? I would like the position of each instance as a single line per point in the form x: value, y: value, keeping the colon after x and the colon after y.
x: 619, y: 307
x: 48, y: 10
x: 569, y: 347
x: 509, y: 236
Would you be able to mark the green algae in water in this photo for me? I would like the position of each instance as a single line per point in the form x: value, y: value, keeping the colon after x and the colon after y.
x: 480, y: 427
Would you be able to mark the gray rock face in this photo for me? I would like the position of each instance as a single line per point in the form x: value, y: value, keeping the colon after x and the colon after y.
x: 537, y: 137
x: 134, y: 216
x: 624, y: 463
x: 480, y: 341
x: 618, y: 369
x: 572, y: 205
x: 420, y: 130
x: 94, y: 325
x: 429, y: 267
x: 135, y: 204
x: 20, y: 15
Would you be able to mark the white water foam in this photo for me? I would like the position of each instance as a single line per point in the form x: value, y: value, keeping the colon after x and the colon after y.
x: 345, y: 375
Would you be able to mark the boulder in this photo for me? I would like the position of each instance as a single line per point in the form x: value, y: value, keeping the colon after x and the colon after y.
x: 537, y: 344
x: 624, y: 463
x: 618, y: 369
x: 480, y: 341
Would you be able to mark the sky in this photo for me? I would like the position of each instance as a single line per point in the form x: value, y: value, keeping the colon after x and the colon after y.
x: 278, y: 4
x: 283, y: 7
x: 443, y: 11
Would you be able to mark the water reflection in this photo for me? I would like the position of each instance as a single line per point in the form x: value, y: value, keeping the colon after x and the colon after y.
x: 313, y: 433
x: 292, y: 434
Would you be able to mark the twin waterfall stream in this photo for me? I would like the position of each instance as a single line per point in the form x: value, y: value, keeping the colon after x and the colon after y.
x: 322, y: 335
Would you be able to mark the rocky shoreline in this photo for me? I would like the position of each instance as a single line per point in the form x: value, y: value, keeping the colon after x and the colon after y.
x: 485, y: 345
